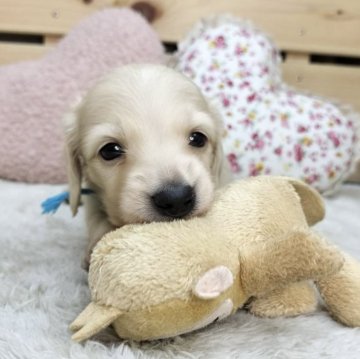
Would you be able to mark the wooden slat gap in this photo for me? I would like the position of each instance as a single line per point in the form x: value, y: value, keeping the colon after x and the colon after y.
x: 298, y: 57
x: 51, y: 39
x: 21, y: 38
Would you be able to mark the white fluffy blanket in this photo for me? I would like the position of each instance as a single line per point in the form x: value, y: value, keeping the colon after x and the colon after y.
x: 42, y: 288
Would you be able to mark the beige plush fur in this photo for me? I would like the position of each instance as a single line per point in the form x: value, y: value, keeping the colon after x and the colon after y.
x: 254, y: 246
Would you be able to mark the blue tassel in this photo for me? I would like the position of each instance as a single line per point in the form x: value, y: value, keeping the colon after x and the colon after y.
x: 51, y: 204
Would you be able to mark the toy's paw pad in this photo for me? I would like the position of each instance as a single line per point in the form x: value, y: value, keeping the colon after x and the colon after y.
x: 213, y: 282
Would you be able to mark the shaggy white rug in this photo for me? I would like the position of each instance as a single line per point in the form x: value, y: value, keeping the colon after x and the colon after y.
x: 42, y: 288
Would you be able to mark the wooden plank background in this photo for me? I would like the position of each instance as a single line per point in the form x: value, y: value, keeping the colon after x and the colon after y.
x: 10, y: 53
x: 45, y: 16
x: 299, y: 27
x: 323, y: 26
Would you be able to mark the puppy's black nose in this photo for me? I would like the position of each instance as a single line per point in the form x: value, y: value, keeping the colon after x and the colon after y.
x: 174, y: 200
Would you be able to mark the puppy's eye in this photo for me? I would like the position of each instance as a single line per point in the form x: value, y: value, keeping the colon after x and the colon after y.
x: 197, y: 139
x: 111, y: 151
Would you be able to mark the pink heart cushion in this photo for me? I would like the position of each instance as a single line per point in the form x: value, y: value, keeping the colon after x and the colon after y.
x: 269, y: 127
x: 34, y: 95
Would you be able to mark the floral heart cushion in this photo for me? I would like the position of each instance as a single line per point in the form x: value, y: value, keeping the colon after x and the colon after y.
x: 34, y: 95
x: 269, y: 127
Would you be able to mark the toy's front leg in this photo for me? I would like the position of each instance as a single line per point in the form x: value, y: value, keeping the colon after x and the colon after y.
x: 295, y: 299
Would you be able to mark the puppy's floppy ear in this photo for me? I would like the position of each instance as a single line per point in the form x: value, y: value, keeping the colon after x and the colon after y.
x: 220, y: 168
x: 73, y: 162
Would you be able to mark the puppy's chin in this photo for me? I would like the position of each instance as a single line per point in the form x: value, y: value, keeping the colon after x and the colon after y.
x: 150, y: 215
x: 155, y: 217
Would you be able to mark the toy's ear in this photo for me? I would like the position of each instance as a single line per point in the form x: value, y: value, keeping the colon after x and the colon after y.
x: 91, y: 320
x: 213, y: 282
x: 311, y: 201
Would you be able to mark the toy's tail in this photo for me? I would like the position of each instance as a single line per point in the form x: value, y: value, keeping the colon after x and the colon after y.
x: 91, y: 320
x: 341, y: 293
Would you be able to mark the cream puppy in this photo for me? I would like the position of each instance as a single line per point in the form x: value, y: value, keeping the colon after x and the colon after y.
x: 148, y: 144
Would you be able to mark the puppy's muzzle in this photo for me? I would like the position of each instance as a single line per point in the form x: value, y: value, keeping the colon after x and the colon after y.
x: 174, y: 200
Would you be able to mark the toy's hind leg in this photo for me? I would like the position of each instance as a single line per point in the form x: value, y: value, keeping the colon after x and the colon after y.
x: 297, y: 298
x: 341, y: 293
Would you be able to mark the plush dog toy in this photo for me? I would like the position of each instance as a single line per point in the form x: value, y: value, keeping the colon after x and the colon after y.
x: 253, y: 247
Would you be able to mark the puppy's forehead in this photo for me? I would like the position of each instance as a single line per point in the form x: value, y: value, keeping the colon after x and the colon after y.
x: 140, y: 92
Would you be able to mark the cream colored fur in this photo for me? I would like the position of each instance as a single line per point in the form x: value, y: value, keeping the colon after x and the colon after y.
x: 253, y: 247
x: 150, y: 110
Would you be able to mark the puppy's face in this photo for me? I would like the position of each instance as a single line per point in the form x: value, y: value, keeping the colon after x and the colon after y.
x: 148, y: 144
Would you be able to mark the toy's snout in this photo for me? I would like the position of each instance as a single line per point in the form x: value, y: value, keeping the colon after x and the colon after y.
x: 216, y: 295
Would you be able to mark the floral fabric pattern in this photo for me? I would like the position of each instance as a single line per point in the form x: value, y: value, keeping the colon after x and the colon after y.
x: 269, y: 127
